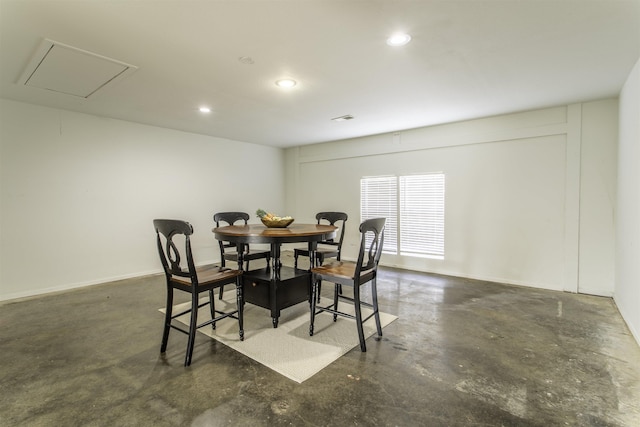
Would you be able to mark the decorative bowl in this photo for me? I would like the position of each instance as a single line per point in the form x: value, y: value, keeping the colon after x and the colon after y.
x: 282, y: 223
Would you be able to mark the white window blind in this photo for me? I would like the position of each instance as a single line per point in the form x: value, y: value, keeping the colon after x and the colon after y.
x: 422, y: 215
x: 379, y: 199
x: 414, y: 208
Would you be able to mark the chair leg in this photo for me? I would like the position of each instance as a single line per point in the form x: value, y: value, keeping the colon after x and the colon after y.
x: 192, y: 328
x: 374, y: 294
x: 212, y: 307
x: 358, y: 310
x: 240, y: 304
x: 295, y: 259
x: 320, y: 261
x: 314, y: 291
x: 335, y: 300
x: 167, y: 320
x: 339, y: 286
x: 222, y: 265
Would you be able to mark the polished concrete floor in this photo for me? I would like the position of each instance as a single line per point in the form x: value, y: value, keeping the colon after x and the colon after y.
x: 462, y: 353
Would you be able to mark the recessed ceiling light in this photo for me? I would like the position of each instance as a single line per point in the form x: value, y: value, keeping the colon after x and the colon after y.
x: 343, y: 118
x: 286, y: 83
x: 205, y: 109
x: 399, y: 39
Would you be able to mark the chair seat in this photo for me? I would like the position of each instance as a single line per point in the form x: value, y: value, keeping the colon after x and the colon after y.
x: 209, y: 274
x: 345, y: 270
x: 327, y: 252
x: 233, y: 256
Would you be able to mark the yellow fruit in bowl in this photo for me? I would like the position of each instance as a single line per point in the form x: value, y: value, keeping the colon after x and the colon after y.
x: 273, y: 221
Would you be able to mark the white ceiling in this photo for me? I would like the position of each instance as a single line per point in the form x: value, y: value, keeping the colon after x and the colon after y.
x: 467, y: 59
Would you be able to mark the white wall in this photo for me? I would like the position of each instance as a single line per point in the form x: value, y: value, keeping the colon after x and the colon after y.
x: 518, y: 188
x: 599, y: 149
x: 627, y: 287
x: 529, y: 195
x: 78, y: 194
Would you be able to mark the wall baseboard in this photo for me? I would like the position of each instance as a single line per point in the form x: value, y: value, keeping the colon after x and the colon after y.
x: 14, y: 297
x: 626, y: 318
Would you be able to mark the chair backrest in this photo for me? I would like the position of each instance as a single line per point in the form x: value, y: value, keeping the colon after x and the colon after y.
x: 230, y: 218
x: 170, y: 254
x: 371, y: 242
x: 332, y: 218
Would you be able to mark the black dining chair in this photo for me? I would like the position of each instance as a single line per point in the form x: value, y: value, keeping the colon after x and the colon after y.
x: 354, y: 275
x: 327, y: 248
x: 228, y: 250
x: 330, y: 248
x: 174, y: 247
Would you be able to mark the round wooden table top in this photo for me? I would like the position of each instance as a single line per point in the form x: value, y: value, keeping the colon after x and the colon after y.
x: 254, y: 233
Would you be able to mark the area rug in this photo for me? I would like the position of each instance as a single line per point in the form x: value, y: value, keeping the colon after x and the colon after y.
x: 287, y: 349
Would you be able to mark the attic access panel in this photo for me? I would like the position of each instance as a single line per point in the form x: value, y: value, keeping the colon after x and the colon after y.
x: 65, y: 69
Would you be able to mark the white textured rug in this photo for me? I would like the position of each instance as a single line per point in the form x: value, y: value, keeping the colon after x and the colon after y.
x: 287, y: 349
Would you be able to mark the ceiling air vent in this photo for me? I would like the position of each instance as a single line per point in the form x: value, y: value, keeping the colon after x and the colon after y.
x: 72, y: 71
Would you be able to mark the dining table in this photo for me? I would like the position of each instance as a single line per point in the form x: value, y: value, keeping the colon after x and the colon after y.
x: 276, y: 287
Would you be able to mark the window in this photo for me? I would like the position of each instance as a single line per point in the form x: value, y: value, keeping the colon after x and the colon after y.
x: 414, y: 208
x: 378, y: 198
x: 422, y: 215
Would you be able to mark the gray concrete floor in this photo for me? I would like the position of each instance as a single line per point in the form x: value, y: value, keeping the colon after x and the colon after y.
x: 462, y: 353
